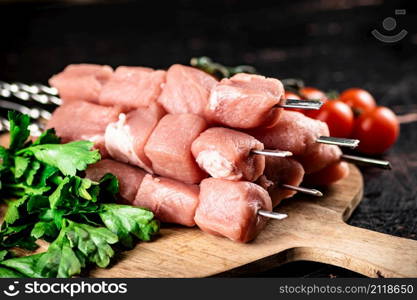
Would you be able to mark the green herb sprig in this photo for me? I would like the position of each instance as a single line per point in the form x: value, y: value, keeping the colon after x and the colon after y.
x: 47, y: 198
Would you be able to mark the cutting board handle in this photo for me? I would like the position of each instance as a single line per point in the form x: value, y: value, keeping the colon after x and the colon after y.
x: 364, y: 251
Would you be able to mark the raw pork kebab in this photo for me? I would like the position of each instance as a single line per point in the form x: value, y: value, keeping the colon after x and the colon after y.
x: 170, y: 123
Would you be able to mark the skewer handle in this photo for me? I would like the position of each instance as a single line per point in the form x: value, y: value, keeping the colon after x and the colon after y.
x: 35, y: 88
x: 29, y: 93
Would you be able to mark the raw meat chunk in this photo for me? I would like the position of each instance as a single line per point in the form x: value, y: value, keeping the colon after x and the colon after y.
x: 186, y: 90
x: 171, y: 201
x: 245, y: 101
x: 169, y: 147
x: 126, y: 138
x: 298, y: 133
x: 132, y: 87
x: 81, y: 82
x: 129, y: 177
x: 81, y: 120
x: 279, y: 171
x: 226, y: 153
x: 229, y: 208
x: 330, y: 174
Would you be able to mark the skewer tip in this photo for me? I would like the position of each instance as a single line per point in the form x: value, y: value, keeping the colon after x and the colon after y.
x: 272, y: 214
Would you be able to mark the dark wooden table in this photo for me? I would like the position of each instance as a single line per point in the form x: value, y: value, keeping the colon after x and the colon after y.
x: 329, y: 45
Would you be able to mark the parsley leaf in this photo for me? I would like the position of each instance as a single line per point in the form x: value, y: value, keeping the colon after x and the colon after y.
x: 93, y: 242
x: 20, y: 166
x: 7, y: 273
x: 19, y: 132
x: 128, y: 221
x: 68, y: 158
x: 47, y: 137
x: 25, y: 265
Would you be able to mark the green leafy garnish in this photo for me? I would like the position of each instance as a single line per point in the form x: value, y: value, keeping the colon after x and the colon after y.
x: 19, y: 132
x: 68, y: 158
x: 47, y: 198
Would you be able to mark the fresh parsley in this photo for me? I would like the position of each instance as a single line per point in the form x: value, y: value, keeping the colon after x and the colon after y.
x: 47, y: 198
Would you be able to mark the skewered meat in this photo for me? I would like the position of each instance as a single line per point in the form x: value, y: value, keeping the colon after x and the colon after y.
x: 186, y: 90
x: 132, y: 87
x: 226, y: 153
x: 79, y: 120
x: 129, y: 177
x: 170, y: 200
x: 126, y: 138
x: 169, y: 147
x: 330, y: 174
x: 297, y: 133
x: 279, y: 171
x: 229, y: 208
x: 81, y: 82
x: 245, y: 101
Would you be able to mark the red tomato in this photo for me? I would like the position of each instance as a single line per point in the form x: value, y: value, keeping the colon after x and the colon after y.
x: 311, y: 93
x: 338, y: 116
x: 377, y: 130
x: 291, y: 95
x: 359, y: 99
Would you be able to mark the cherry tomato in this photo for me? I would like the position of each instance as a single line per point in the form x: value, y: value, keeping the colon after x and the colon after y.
x: 359, y: 99
x: 377, y: 130
x: 311, y: 93
x: 338, y: 116
x: 291, y: 95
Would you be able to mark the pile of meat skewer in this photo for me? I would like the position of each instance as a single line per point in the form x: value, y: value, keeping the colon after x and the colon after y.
x: 192, y: 148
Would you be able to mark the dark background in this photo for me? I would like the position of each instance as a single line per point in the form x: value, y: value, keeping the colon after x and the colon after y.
x: 326, y: 43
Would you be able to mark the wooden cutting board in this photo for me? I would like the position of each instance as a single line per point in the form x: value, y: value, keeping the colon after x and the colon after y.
x: 314, y: 231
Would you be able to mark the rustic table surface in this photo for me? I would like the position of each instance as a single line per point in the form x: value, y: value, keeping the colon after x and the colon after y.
x: 329, y: 45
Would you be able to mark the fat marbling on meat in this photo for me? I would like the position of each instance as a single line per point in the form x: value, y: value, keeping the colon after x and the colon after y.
x: 125, y: 139
x: 226, y: 153
x: 80, y: 120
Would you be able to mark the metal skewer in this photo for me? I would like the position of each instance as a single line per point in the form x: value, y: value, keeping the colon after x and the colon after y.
x: 35, y: 88
x: 272, y: 214
x: 48, y: 95
x: 45, y: 94
x: 34, y: 113
x: 281, y: 154
x: 304, y: 190
x: 9, y: 92
x: 383, y: 164
x: 34, y: 128
x: 273, y: 153
x: 342, y: 142
x: 302, y: 104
